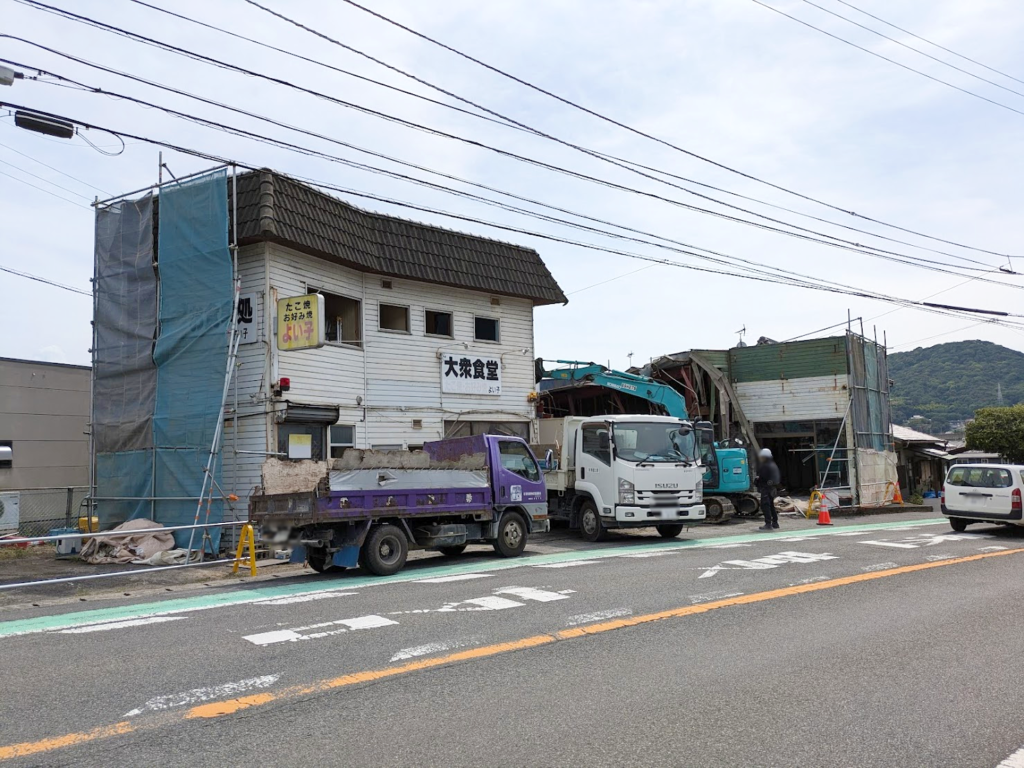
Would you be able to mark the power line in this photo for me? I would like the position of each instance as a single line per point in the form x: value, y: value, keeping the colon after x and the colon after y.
x: 651, y: 137
x: 885, y: 58
x: 38, y: 279
x: 506, y: 122
x: 955, y: 311
x: 930, y: 42
x: 911, y: 48
x: 58, y: 170
x: 333, y: 158
x: 43, y: 189
x: 43, y: 179
x: 811, y: 235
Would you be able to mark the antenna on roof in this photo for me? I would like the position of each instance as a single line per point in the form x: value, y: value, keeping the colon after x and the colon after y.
x: 742, y: 331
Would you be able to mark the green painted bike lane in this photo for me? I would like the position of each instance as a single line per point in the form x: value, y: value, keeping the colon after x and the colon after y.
x: 242, y: 595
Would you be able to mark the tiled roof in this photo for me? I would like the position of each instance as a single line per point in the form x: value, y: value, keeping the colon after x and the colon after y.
x: 276, y: 208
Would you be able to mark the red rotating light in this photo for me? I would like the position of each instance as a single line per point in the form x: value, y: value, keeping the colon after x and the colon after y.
x: 284, y: 384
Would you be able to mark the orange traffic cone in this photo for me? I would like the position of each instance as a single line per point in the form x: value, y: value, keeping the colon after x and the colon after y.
x: 824, y: 518
x: 897, y: 497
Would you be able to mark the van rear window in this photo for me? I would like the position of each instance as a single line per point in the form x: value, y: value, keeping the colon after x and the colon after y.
x: 981, y: 477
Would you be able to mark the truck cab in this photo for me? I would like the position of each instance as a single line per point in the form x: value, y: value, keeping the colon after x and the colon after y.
x: 625, y: 472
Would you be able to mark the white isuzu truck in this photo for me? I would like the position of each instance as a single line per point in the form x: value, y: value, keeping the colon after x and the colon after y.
x: 606, y: 472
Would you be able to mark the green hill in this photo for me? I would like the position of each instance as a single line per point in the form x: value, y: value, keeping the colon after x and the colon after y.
x: 948, y: 382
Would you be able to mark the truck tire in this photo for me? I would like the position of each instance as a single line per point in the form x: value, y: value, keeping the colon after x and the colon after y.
x: 511, y: 539
x: 958, y: 524
x: 591, y: 527
x: 670, y: 530
x: 385, y: 550
x: 453, y: 551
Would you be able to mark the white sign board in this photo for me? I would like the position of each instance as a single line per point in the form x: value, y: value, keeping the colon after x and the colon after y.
x: 248, y: 318
x: 468, y: 373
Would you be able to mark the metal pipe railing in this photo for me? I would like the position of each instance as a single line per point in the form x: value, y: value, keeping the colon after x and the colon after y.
x: 94, y: 534
x: 89, y: 577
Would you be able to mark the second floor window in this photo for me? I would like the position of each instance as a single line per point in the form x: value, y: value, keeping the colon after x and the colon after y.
x: 394, y: 318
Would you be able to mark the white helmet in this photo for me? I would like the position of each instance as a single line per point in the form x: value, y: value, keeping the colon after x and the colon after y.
x: 766, y: 453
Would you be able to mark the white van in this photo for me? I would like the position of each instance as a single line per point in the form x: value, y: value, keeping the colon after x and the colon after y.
x: 983, y: 493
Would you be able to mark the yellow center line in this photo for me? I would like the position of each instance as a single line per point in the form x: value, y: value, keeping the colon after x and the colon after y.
x: 231, y: 706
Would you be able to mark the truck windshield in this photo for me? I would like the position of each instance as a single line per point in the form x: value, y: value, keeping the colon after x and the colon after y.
x: 655, y: 442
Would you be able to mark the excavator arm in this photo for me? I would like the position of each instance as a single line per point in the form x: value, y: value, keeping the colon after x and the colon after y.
x: 620, y: 381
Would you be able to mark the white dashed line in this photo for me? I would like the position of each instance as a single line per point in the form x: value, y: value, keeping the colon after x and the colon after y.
x: 657, y: 553
x: 933, y: 558
x: 589, y: 618
x: 120, y: 624
x: 458, y: 577
x: 713, y: 596
x: 569, y: 564
x: 994, y: 548
x: 894, y: 544
x: 304, y: 598
x: 1016, y: 760
x: 879, y: 567
x: 423, y: 650
x: 197, y: 695
x: 529, y: 593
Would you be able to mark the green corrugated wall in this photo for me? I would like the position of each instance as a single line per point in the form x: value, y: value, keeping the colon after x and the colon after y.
x: 792, y: 360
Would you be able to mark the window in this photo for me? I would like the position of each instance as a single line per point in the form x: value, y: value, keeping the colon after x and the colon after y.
x: 515, y: 457
x: 438, y: 323
x: 977, y: 477
x: 596, y: 442
x: 344, y: 319
x: 486, y: 329
x: 470, y: 428
x: 300, y: 440
x: 6, y: 454
x: 340, y: 437
x: 393, y: 318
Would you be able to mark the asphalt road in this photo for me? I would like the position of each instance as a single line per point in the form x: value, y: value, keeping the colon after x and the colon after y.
x: 867, y: 644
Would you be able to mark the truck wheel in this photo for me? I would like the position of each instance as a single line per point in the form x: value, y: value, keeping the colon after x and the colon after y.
x: 385, y: 550
x: 591, y: 527
x: 318, y: 559
x: 511, y: 539
x: 670, y: 530
x: 452, y: 551
x: 958, y: 524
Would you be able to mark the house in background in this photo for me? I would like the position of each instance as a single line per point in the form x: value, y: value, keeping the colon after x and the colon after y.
x: 922, y: 460
x: 44, y: 424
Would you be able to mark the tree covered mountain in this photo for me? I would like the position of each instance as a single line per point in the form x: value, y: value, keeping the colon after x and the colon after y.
x: 949, y: 382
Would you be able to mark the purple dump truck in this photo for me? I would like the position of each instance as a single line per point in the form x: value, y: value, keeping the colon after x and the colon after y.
x: 372, y: 507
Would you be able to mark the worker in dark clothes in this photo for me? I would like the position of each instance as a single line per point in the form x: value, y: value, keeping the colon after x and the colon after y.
x: 768, y: 480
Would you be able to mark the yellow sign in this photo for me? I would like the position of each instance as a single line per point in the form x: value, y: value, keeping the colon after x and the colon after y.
x: 300, y: 322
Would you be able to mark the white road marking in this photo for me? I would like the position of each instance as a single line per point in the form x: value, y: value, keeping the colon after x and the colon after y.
x: 569, y: 564
x: 529, y: 593
x: 490, y: 603
x: 567, y: 591
x: 197, y: 695
x: 852, y: 533
x: 423, y: 650
x: 933, y: 558
x: 810, y: 581
x: 879, y: 567
x: 1016, y: 760
x: 589, y: 618
x: 655, y: 553
x: 457, y: 577
x: 294, y: 635
x: 304, y: 598
x: 895, y: 544
x: 796, y: 538
x: 727, y: 546
x: 770, y: 561
x: 120, y: 624
x: 713, y: 596
x: 994, y: 548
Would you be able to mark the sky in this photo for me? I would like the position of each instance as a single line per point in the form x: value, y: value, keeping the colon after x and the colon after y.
x: 729, y: 80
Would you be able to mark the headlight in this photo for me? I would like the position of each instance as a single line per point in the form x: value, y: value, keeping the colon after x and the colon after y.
x: 698, y: 491
x: 626, y: 495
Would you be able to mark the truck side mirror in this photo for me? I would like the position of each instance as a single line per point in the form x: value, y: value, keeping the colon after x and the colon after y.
x: 603, y: 442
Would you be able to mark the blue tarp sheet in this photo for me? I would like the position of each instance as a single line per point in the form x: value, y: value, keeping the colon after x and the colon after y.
x: 196, y: 294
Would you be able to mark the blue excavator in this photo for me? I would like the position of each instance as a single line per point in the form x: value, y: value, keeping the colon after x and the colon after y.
x: 727, y: 476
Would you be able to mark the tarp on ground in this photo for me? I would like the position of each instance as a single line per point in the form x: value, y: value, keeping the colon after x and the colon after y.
x: 196, y: 304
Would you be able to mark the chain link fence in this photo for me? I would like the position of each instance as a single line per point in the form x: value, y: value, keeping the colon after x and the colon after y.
x: 37, y: 511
